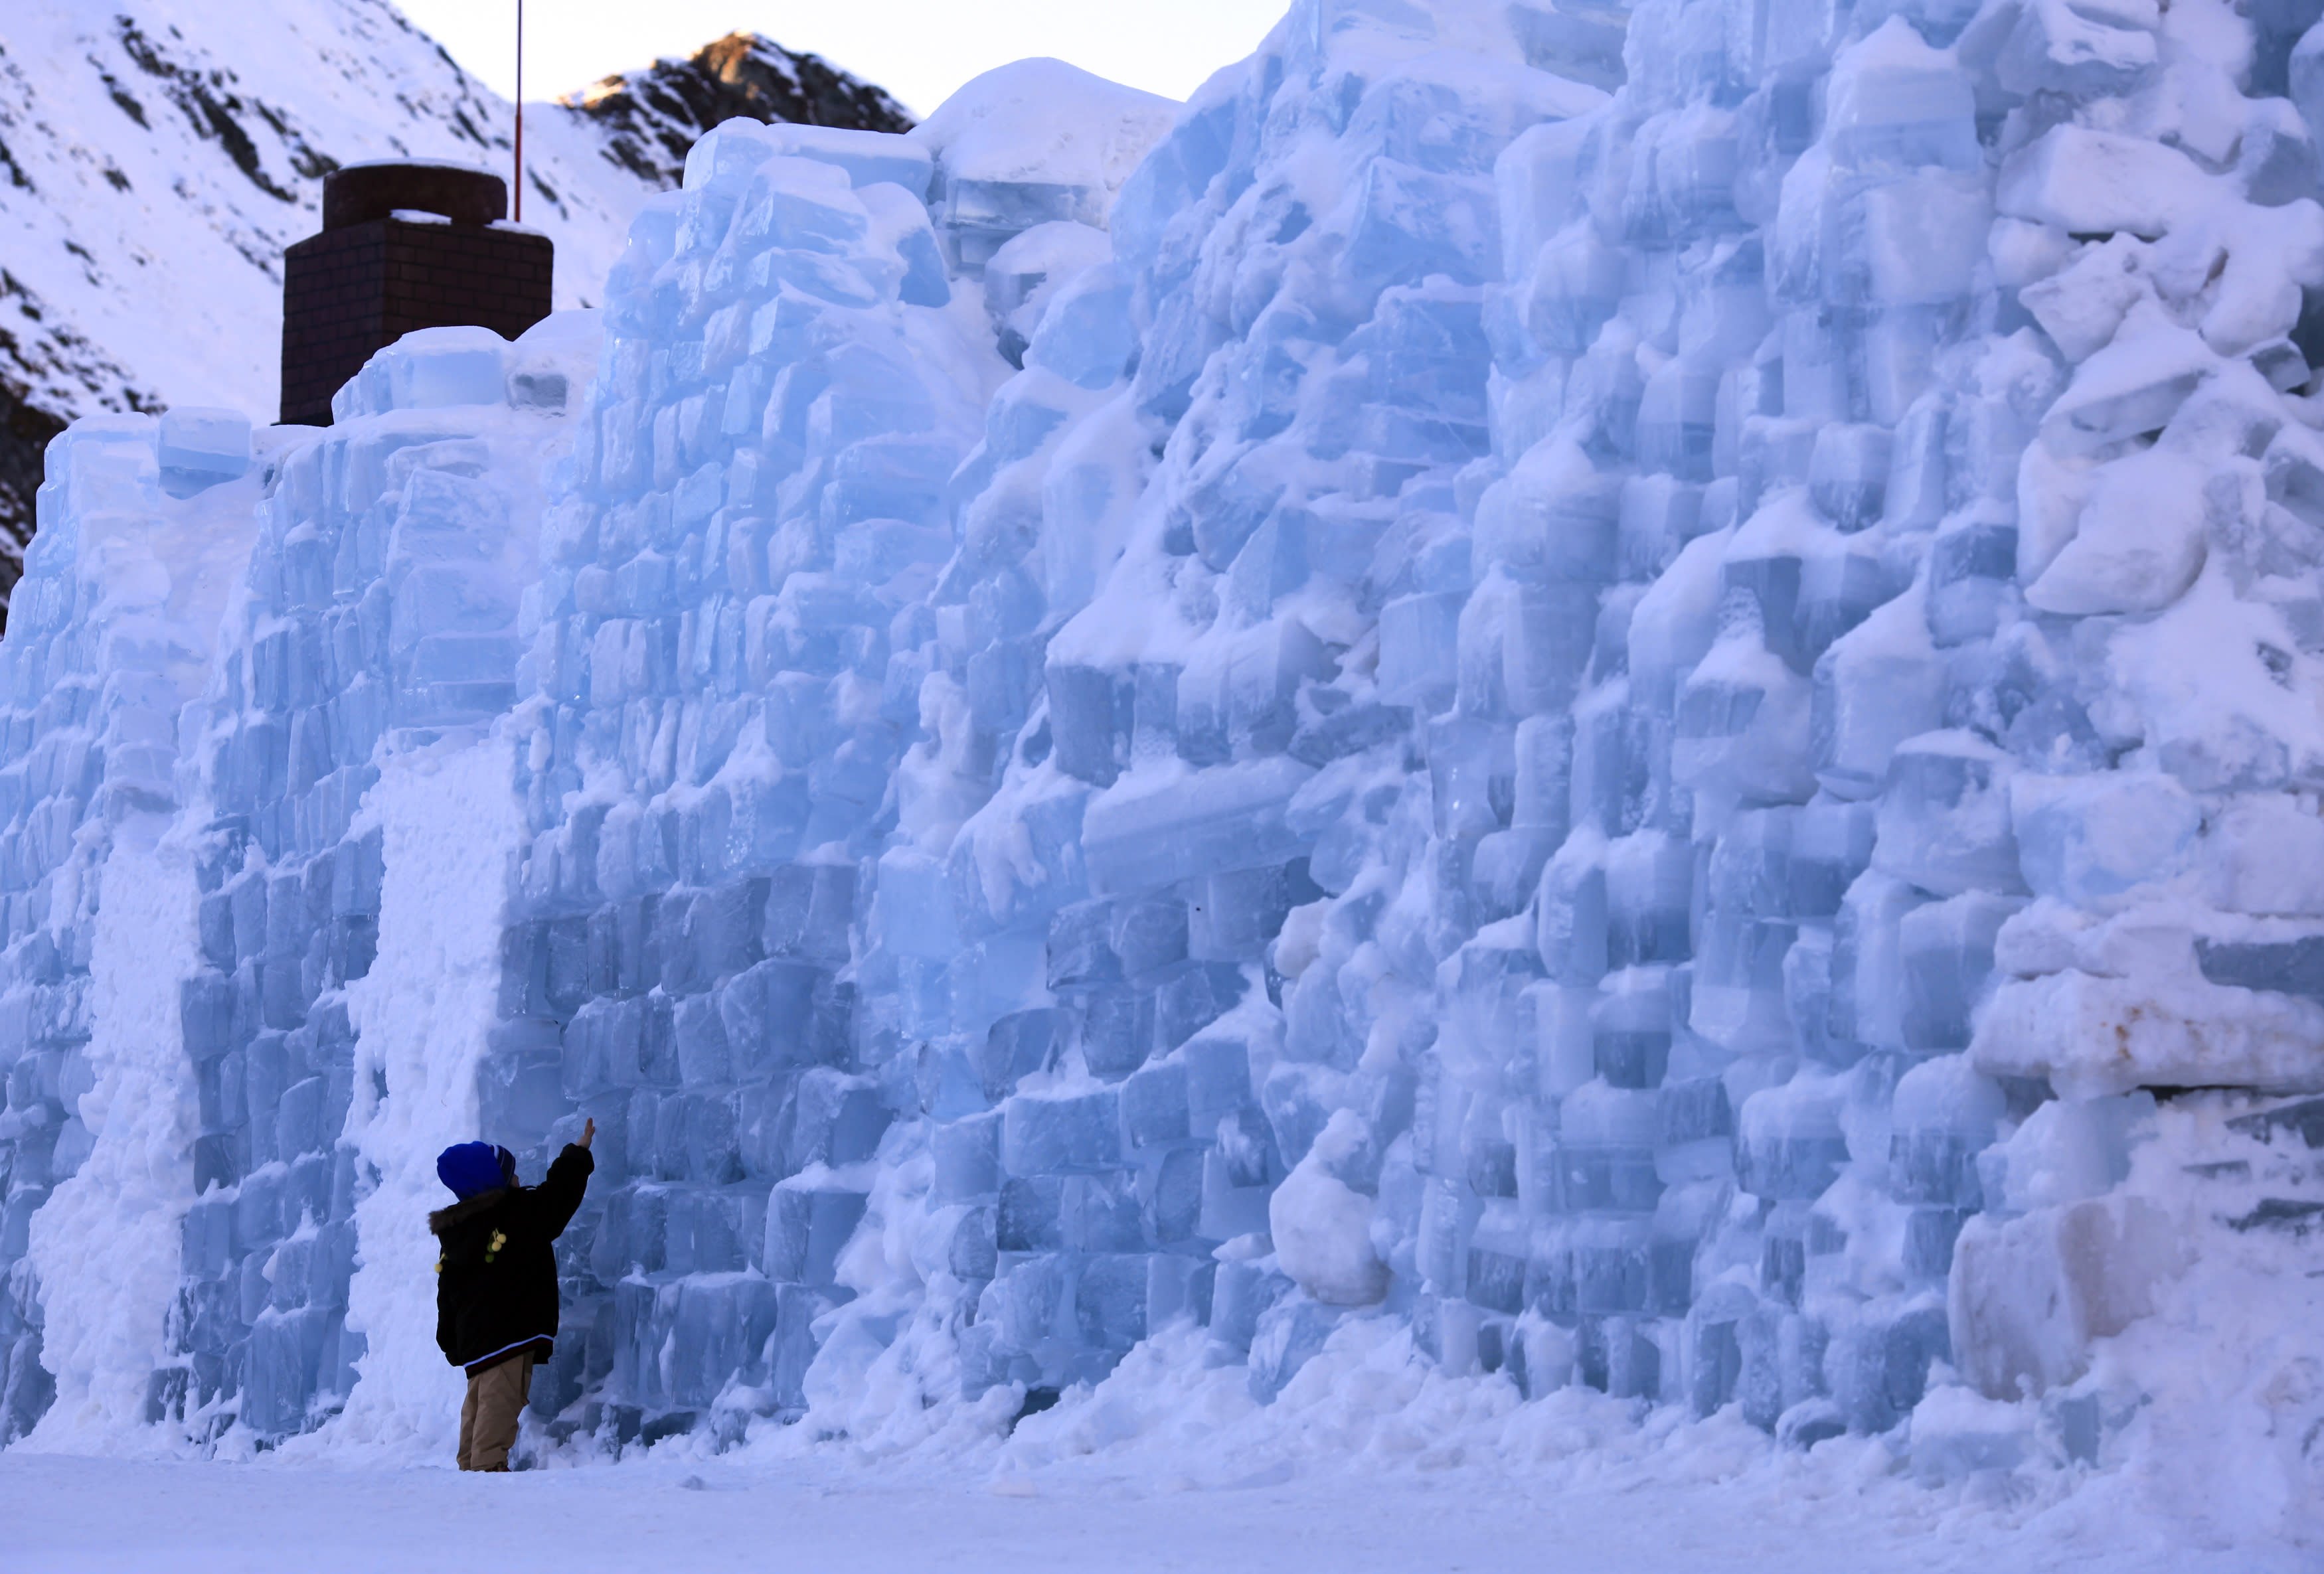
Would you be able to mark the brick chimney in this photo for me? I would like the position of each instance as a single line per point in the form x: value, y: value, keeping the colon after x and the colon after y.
x: 405, y: 246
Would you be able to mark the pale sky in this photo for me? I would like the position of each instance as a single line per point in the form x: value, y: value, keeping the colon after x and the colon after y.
x: 918, y: 50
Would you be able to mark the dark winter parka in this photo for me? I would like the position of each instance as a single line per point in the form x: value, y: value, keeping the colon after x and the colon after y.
x: 496, y: 1289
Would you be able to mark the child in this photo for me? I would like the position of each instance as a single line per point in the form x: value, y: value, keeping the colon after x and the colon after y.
x: 496, y: 1290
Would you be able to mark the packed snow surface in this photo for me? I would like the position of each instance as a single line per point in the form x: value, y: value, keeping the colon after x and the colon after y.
x: 1731, y: 1509
x: 1560, y: 743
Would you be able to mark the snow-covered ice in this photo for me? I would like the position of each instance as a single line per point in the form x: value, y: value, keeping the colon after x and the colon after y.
x: 1430, y: 759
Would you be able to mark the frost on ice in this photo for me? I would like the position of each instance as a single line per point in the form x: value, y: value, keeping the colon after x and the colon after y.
x: 1625, y: 699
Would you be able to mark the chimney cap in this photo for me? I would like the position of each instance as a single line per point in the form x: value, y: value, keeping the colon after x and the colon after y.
x: 362, y: 193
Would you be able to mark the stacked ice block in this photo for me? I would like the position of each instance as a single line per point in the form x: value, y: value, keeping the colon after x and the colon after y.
x: 138, y: 549
x: 1617, y: 690
x: 758, y: 507
x: 378, y: 615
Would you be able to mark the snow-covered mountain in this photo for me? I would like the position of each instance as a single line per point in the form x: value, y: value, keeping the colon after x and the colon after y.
x: 157, y: 155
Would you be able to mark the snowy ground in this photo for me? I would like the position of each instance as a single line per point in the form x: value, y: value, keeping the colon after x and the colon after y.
x: 1710, y: 1502
x: 1369, y: 1460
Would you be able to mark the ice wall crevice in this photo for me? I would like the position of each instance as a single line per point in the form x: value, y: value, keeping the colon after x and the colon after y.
x: 448, y: 817
x: 105, y: 1248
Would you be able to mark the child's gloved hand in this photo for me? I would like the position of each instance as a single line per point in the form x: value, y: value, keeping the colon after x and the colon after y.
x: 589, y: 1132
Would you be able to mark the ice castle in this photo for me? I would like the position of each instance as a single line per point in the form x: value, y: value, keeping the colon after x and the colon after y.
x: 1641, y: 690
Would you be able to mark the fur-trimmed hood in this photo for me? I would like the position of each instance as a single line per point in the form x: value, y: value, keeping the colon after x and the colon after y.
x: 444, y: 1218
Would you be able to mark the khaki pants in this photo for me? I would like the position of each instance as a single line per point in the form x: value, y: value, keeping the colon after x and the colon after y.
x: 488, y: 1419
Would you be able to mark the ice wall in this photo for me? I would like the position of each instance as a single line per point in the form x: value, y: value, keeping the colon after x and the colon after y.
x: 206, y: 691
x: 758, y: 516
x: 1620, y: 689
x: 379, y: 622
x: 1542, y: 710
x: 138, y: 550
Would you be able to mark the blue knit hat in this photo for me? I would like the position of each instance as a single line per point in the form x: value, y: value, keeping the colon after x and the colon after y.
x: 470, y: 1167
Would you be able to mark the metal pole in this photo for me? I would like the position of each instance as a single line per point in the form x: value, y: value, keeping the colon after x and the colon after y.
x: 520, y: 111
